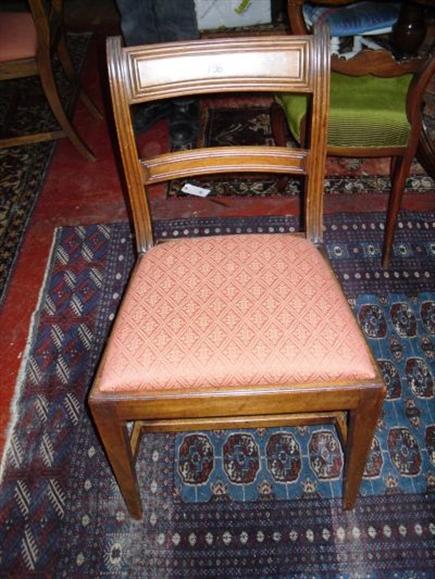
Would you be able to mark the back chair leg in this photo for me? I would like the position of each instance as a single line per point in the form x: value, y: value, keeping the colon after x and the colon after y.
x: 400, y: 172
x: 51, y: 92
x: 426, y: 152
x: 116, y: 442
x: 362, y: 426
x: 72, y: 76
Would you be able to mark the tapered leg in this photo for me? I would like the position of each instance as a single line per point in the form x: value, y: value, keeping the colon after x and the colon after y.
x: 426, y: 152
x: 72, y: 76
x: 114, y: 436
x: 400, y: 174
x: 50, y: 90
x: 362, y: 427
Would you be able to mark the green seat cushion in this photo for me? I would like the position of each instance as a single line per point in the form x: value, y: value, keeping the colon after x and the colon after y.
x: 365, y: 111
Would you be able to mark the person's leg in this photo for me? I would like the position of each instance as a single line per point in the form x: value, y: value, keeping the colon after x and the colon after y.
x: 139, y: 23
x: 148, y: 21
x: 176, y: 20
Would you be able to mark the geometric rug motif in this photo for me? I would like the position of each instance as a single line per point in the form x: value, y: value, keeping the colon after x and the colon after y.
x: 61, y: 513
x: 24, y: 109
x: 251, y: 126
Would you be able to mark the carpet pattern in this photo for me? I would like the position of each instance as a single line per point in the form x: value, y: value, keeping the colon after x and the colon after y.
x: 251, y: 126
x: 286, y: 463
x: 61, y: 513
x: 24, y: 109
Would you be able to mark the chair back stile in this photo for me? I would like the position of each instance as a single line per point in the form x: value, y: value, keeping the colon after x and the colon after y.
x: 48, y: 18
x: 280, y: 64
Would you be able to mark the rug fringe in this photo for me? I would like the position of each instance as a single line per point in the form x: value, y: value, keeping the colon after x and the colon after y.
x: 33, y: 327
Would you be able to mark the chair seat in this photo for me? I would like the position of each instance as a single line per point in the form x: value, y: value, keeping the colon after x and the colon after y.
x: 365, y: 111
x: 17, y: 36
x: 223, y: 312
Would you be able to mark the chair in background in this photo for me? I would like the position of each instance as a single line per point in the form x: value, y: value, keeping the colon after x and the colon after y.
x: 346, y: 19
x: 28, y: 41
x: 375, y: 111
x: 359, y: 20
x: 233, y: 331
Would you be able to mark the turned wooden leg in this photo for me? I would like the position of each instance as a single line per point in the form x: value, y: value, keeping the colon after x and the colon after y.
x: 400, y: 174
x: 51, y: 92
x: 116, y: 443
x: 72, y: 76
x: 362, y: 426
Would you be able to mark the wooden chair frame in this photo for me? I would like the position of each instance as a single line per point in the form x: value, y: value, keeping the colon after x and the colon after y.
x: 50, y: 38
x: 142, y: 74
x: 379, y: 63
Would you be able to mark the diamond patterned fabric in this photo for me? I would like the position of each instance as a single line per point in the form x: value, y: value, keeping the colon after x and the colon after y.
x: 223, y: 312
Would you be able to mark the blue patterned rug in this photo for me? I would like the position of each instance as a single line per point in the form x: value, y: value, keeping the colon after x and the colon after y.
x: 251, y: 503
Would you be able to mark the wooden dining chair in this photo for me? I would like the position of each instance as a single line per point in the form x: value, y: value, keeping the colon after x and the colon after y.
x: 233, y: 331
x: 372, y: 114
x: 376, y: 105
x: 28, y: 42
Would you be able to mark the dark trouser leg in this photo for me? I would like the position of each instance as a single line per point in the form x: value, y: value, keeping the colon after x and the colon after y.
x: 138, y: 21
x: 146, y: 21
x: 176, y: 20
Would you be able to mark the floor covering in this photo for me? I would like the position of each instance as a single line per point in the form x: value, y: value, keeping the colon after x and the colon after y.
x: 276, y: 512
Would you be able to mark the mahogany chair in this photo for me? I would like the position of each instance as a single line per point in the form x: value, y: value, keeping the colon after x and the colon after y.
x: 28, y: 41
x: 375, y: 111
x: 233, y: 331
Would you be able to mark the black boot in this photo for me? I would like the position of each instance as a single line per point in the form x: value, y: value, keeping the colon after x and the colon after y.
x: 183, y: 124
x: 147, y: 114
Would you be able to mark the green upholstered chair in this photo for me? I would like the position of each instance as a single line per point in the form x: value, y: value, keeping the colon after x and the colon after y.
x: 365, y: 111
x: 370, y: 116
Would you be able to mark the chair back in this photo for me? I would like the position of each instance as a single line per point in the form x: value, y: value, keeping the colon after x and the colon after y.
x: 230, y: 65
x: 48, y: 18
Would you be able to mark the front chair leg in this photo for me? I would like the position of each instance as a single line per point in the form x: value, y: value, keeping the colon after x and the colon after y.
x: 115, y: 439
x: 362, y: 426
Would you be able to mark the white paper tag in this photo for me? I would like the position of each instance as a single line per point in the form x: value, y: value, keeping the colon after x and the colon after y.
x: 194, y: 190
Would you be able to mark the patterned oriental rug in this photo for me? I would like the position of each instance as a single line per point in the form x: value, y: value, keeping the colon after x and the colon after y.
x: 24, y: 108
x: 225, y: 126
x: 243, y: 503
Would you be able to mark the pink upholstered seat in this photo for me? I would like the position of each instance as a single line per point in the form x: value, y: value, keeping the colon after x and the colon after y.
x: 17, y: 36
x: 223, y: 312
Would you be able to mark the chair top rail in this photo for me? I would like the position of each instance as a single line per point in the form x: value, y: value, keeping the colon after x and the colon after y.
x: 277, y: 64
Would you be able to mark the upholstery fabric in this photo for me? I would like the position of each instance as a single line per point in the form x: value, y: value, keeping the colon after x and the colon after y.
x: 356, y: 18
x: 230, y: 311
x: 17, y: 36
x: 365, y: 111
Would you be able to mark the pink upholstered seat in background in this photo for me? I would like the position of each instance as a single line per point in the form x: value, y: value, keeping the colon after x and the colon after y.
x: 246, y: 310
x: 17, y: 36
x: 28, y: 42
